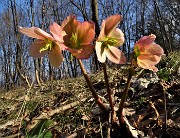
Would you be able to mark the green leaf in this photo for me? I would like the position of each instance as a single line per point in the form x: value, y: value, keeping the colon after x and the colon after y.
x: 48, y: 135
x: 40, y: 129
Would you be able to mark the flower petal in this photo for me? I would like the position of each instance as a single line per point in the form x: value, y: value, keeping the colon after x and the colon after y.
x: 155, y: 49
x: 85, y: 52
x: 147, y: 53
x: 35, y: 48
x: 42, y: 33
x: 85, y: 32
x: 30, y: 32
x: 55, y: 56
x: 145, y: 42
x: 57, y: 32
x: 100, y: 52
x: 115, y: 55
x: 149, y: 59
x: 144, y: 65
x: 119, y: 36
x: 69, y: 25
x: 153, y: 68
x: 109, y: 25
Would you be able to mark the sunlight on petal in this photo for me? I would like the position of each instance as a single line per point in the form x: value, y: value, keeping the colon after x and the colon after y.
x: 57, y: 32
x: 149, y: 59
x: 30, y: 32
x: 115, y: 55
x: 119, y: 36
x: 100, y: 52
x: 111, y: 23
x: 155, y: 49
x: 145, y: 41
x: 43, y: 34
x: 147, y: 53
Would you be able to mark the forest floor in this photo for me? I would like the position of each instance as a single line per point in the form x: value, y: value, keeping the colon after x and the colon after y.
x: 66, y: 109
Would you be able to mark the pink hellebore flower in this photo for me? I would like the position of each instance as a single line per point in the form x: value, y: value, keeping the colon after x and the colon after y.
x: 109, y: 40
x: 79, y: 36
x: 45, y: 44
x: 147, y: 53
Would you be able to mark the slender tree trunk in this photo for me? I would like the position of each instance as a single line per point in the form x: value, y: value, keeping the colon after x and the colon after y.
x: 162, y: 29
x: 32, y: 24
x: 94, y: 7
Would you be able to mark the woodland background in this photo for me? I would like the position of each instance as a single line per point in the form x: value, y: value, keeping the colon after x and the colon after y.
x: 140, y: 17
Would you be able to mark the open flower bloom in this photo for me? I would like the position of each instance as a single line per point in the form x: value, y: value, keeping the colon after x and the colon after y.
x: 79, y: 36
x: 45, y: 44
x: 147, y: 53
x: 109, y: 40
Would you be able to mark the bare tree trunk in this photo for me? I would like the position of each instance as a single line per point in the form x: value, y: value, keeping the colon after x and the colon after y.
x: 32, y: 24
x: 18, y: 61
x: 162, y: 29
x: 94, y: 7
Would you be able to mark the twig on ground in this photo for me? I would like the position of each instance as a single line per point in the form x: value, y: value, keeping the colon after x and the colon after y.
x: 165, y: 109
x: 109, y: 126
x: 157, y: 113
x: 58, y: 110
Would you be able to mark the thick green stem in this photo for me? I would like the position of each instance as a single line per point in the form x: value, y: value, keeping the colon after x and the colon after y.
x: 109, y: 92
x: 94, y: 94
x: 121, y: 105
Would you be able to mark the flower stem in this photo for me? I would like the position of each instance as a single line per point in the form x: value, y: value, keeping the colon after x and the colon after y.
x: 109, y: 93
x: 121, y: 105
x: 94, y: 94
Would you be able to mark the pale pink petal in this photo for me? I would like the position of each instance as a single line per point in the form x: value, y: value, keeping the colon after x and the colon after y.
x: 145, y: 42
x: 57, y: 32
x: 85, y: 53
x: 42, y: 33
x: 155, y: 49
x: 149, y: 52
x: 100, y: 52
x: 86, y: 32
x: 119, y: 36
x: 35, y: 48
x: 108, y: 26
x: 115, y: 55
x: 111, y: 23
x: 55, y: 56
x: 142, y: 64
x: 153, y: 68
x: 30, y: 32
x: 149, y: 59
x: 63, y: 47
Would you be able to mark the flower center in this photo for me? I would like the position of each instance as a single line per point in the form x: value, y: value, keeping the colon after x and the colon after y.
x: 74, y: 42
x: 109, y: 41
x: 49, y: 45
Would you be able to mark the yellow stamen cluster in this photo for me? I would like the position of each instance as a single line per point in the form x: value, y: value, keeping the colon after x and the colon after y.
x: 49, y: 44
x: 108, y: 41
x: 74, y: 42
